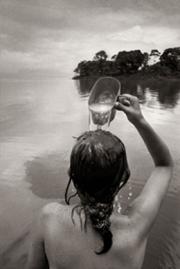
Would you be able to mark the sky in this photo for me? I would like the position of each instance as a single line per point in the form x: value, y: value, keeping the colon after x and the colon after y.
x: 47, y: 38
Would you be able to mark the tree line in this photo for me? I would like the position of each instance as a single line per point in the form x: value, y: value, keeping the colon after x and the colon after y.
x: 131, y: 62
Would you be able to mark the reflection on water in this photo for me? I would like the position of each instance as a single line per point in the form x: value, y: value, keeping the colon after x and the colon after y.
x: 162, y: 91
x: 38, y: 123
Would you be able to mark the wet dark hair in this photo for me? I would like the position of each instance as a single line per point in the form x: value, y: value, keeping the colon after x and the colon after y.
x: 98, y: 169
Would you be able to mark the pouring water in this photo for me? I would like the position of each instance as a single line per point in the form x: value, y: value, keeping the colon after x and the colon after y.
x: 101, y: 101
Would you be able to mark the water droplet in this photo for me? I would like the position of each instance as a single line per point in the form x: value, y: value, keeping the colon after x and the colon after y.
x: 117, y: 205
x: 116, y: 198
x: 119, y: 210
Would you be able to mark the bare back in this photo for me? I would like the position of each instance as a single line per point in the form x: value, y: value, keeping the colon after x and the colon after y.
x: 66, y: 246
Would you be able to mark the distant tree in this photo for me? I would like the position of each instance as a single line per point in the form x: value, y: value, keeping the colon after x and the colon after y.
x: 145, y: 61
x: 82, y: 69
x: 100, y: 56
x: 129, y: 61
x: 113, y: 57
x: 171, y: 58
x: 155, y: 52
x: 157, y: 69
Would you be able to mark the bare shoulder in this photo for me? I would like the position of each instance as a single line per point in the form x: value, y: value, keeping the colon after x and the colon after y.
x: 53, y: 210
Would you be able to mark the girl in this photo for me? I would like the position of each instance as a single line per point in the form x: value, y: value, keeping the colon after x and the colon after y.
x: 90, y: 235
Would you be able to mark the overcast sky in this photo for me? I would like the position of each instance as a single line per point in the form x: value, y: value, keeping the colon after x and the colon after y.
x: 49, y: 37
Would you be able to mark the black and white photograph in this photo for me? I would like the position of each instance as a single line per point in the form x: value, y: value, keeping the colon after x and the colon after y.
x: 89, y: 134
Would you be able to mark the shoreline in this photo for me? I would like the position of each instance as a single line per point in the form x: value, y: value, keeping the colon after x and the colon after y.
x: 136, y: 76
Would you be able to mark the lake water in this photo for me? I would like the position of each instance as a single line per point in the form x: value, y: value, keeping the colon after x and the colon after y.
x: 38, y: 123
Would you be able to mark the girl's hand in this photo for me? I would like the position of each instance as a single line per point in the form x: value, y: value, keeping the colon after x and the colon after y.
x: 129, y: 104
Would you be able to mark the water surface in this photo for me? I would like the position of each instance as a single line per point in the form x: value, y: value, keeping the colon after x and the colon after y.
x: 38, y: 123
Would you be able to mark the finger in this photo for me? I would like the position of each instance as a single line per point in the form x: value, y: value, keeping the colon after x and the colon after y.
x: 127, y: 95
x: 120, y: 106
x: 124, y: 100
